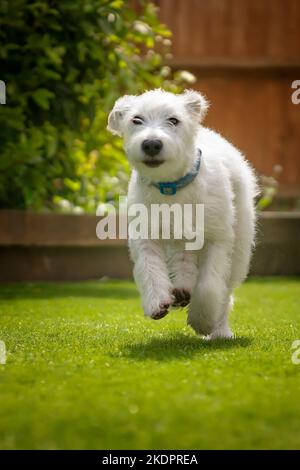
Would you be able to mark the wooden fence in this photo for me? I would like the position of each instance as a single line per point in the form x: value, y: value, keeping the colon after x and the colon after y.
x: 245, y: 55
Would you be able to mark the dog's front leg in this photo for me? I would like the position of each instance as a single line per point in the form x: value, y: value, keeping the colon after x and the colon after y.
x: 183, y: 269
x: 211, y: 300
x: 151, y: 276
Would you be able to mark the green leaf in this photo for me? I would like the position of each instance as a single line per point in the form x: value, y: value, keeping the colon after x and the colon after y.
x: 42, y: 97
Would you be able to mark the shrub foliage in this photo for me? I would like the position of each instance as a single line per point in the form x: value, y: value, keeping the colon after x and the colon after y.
x: 64, y: 63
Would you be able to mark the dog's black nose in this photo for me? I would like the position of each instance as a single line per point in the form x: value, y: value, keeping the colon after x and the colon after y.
x: 152, y: 147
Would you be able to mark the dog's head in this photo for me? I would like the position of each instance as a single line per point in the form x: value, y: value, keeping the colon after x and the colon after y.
x: 159, y: 130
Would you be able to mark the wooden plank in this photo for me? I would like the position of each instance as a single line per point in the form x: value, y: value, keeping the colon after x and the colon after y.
x: 20, y: 228
x: 233, y: 28
x: 224, y: 65
x: 277, y: 251
x: 257, y: 115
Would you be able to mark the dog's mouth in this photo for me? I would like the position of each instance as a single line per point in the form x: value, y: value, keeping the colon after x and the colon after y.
x: 153, y: 163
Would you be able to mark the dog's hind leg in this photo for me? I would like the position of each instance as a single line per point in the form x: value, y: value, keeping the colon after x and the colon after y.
x: 221, y: 329
x: 244, y: 229
x: 211, y: 300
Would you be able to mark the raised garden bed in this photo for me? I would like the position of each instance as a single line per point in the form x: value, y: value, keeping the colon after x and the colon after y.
x: 49, y: 246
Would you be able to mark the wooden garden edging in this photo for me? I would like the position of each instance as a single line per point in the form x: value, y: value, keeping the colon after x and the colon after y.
x: 47, y: 246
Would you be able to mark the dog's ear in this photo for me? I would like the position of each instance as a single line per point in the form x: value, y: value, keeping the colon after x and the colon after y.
x: 116, y: 116
x: 196, y: 103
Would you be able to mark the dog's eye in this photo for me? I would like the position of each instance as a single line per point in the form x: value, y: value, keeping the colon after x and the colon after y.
x: 173, y: 121
x: 137, y: 120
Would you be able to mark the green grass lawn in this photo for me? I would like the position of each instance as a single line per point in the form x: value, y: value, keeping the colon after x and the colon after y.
x: 86, y: 370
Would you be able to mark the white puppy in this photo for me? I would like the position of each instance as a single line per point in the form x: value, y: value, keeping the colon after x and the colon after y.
x: 163, y: 140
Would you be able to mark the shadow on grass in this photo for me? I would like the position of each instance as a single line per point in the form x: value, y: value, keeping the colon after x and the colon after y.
x: 180, y: 346
x: 275, y: 279
x: 95, y: 290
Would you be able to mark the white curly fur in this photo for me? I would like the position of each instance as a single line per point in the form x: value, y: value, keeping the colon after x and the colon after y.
x: 226, y: 185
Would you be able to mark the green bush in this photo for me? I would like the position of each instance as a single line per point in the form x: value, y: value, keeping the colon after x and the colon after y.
x: 64, y: 63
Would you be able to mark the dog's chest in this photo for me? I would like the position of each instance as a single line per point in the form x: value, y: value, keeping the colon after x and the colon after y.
x: 191, y: 194
x: 177, y: 214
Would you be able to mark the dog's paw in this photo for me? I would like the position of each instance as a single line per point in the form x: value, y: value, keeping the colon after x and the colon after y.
x: 220, y: 333
x: 162, y: 312
x: 181, y: 297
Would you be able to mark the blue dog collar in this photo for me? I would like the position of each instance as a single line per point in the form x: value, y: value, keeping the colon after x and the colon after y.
x: 171, y: 188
